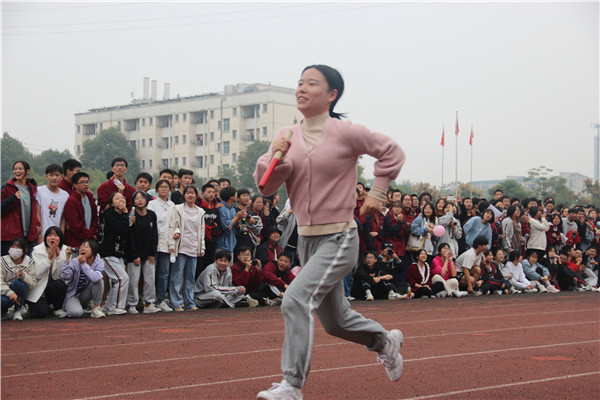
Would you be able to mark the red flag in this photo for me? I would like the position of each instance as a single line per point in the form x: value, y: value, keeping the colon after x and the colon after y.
x: 442, y: 137
x: 471, y: 138
x: 456, y: 124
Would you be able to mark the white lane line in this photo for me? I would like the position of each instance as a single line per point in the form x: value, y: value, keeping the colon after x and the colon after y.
x: 340, y: 343
x: 257, y: 378
x: 504, y: 385
x: 278, y: 332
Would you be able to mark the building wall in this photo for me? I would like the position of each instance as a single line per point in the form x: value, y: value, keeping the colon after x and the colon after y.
x: 187, y: 133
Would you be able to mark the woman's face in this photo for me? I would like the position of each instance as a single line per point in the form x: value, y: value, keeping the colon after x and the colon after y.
x: 445, y: 252
x: 85, y: 250
x: 258, y: 204
x: 489, y: 258
x: 118, y: 201
x: 19, y: 171
x: 190, y: 196
x: 140, y: 201
x: 440, y: 205
x: 313, y: 95
x: 423, y: 256
x: 406, y: 201
x: 499, y: 255
x: 428, y: 211
x: 565, y: 212
x: 163, y: 190
x: 52, y: 240
x: 556, y: 220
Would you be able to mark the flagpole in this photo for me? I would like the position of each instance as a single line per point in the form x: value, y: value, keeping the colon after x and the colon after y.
x: 443, y: 145
x: 456, y: 158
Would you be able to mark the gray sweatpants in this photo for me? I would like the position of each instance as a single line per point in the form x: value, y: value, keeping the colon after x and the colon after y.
x: 325, y: 261
x: 134, y: 271
x: 74, y: 305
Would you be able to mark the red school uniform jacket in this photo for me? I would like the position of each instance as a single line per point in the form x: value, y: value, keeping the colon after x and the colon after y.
x: 12, y: 227
x: 108, y: 188
x: 251, y: 280
x: 75, y: 218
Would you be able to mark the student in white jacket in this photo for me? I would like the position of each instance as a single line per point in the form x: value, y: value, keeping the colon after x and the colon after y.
x: 518, y: 280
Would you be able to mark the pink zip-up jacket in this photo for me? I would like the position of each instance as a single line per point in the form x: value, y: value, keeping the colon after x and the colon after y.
x: 321, y: 184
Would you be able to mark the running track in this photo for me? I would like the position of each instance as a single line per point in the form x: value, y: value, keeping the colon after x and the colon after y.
x: 544, y: 346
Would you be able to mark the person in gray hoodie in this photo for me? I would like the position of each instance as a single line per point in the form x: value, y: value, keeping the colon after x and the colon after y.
x: 214, y: 286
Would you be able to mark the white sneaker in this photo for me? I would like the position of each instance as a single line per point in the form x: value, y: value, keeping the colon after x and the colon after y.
x: 18, y: 315
x: 151, y: 309
x: 116, y: 311
x: 350, y: 298
x: 542, y: 289
x: 396, y: 296
x: 281, y: 391
x: 164, y: 307
x: 369, y: 296
x: 441, y: 294
x: 60, y: 313
x: 460, y: 293
x: 390, y: 357
x: 534, y: 290
x: 132, y: 310
x: 498, y: 292
x: 251, y: 302
x: 97, y: 313
x: 552, y: 289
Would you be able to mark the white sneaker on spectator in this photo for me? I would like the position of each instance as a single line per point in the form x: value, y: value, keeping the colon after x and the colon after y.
x: 369, y: 295
x: 151, y: 309
x: 460, y: 293
x: 441, y: 294
x: 132, y: 310
x: 251, y: 302
x: 116, y: 311
x: 164, y: 307
x: 542, y: 289
x: 395, y: 296
x: 552, y: 289
x: 533, y: 290
x: 498, y: 292
x: 390, y: 356
x: 18, y: 314
x: 350, y: 298
x: 281, y: 391
x: 97, y: 313
x: 60, y: 313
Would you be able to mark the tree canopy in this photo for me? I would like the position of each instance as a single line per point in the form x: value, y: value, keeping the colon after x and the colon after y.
x: 97, y: 153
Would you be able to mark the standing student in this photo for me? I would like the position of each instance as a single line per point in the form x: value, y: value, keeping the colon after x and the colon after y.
x: 70, y: 168
x: 186, y: 243
x: 51, y: 200
x: 114, y: 230
x: 116, y: 183
x: 140, y: 253
x: 81, y: 214
x: 19, y: 209
x: 322, y: 154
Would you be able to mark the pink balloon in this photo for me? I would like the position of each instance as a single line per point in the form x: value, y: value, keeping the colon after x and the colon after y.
x: 439, y: 230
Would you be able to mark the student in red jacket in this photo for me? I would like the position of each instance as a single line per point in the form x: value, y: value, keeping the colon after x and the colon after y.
x: 81, y: 213
x: 278, y: 276
x: 247, y: 272
x: 19, y: 209
x: 116, y: 183
x: 70, y: 168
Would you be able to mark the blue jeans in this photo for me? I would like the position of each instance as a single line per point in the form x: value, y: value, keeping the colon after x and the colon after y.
x: 182, y: 273
x: 20, y: 288
x: 347, y: 284
x: 161, y: 277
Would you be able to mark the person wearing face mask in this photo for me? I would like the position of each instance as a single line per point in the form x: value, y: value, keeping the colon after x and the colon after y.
x: 17, y: 278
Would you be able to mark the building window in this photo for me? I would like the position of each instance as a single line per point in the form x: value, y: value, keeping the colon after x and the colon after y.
x: 101, y: 125
x: 264, y: 108
x: 212, y: 114
x: 212, y: 136
x: 184, y: 117
x: 165, y: 163
x: 176, y: 139
x: 225, y: 147
x: 78, y: 128
x: 132, y: 143
x: 226, y: 125
x: 176, y: 161
x: 234, y: 134
x: 183, y: 139
x: 212, y: 159
x: 264, y: 131
x: 149, y: 163
x: 150, y: 142
x: 176, y: 117
x: 225, y: 167
x: 150, y: 122
x: 143, y: 142
x: 234, y: 111
x: 119, y: 124
x: 143, y: 121
x: 183, y: 161
x: 143, y: 163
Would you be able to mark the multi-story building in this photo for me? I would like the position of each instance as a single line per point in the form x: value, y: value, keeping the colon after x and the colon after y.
x: 204, y: 133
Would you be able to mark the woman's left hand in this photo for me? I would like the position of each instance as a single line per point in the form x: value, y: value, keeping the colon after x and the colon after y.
x: 371, y: 206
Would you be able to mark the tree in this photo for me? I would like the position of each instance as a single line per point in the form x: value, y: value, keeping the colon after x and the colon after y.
x: 544, y: 185
x: 466, y: 190
x: 423, y: 187
x: 511, y: 188
x: 110, y: 143
x: 12, y: 151
x: 47, y: 157
x: 591, y: 194
x: 246, y: 163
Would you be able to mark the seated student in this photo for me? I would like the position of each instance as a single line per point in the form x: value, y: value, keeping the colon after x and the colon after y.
x: 248, y: 273
x: 493, y: 281
x: 143, y: 183
x: 515, y: 269
x: 419, y: 278
x: 214, y: 286
x: 277, y: 278
x: 17, y: 278
x: 590, y: 272
x: 269, y: 250
x: 443, y: 270
x: 590, y: 278
x: 568, y: 277
x: 374, y: 280
x: 468, y: 264
x: 50, y: 289
x: 537, y: 272
x: 85, y: 284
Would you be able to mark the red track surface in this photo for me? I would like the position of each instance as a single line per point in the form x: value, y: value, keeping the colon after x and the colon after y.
x: 492, y: 347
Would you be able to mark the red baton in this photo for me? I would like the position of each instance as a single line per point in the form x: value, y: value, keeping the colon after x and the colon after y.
x: 265, y: 179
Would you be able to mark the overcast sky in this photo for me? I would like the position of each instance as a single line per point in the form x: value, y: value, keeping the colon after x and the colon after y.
x: 524, y: 75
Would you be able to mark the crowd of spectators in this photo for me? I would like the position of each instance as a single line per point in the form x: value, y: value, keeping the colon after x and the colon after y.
x: 180, y: 246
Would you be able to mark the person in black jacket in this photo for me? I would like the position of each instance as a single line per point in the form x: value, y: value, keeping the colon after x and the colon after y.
x: 140, y: 253
x: 374, y: 280
x: 114, y: 229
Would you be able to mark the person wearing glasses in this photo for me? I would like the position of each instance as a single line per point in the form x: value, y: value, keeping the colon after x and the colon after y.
x: 81, y: 213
